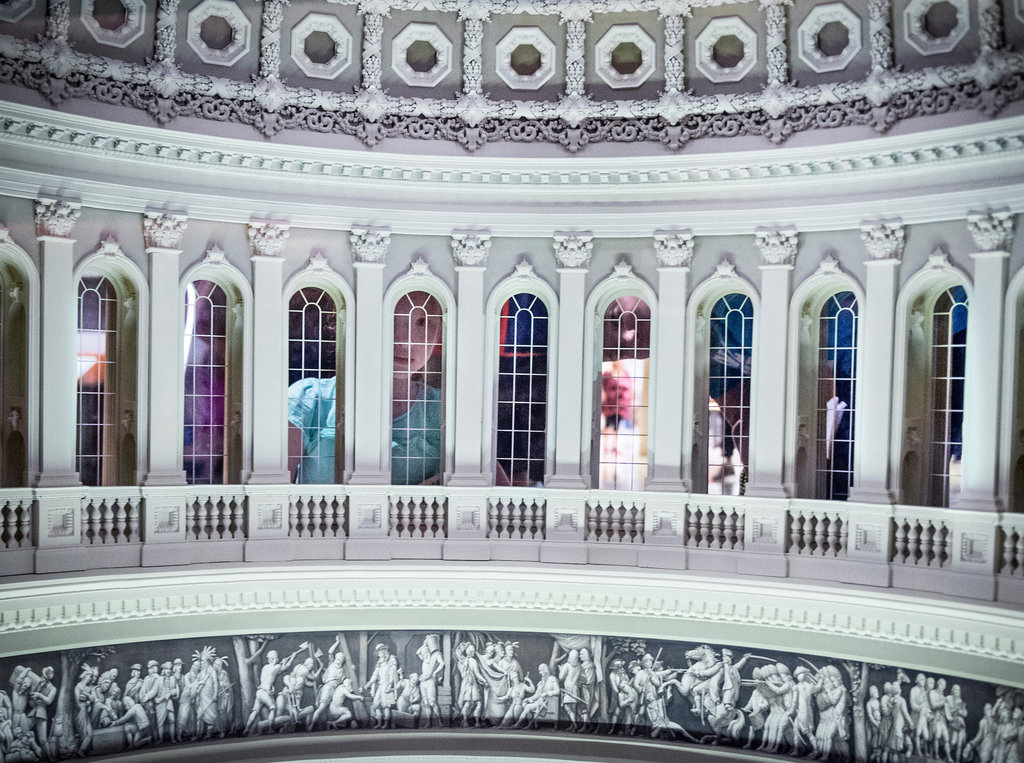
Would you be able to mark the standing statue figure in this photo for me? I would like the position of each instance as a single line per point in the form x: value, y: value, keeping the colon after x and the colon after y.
x: 333, y: 675
x: 588, y: 690
x: 919, y: 713
x: 134, y: 685
x: 757, y: 704
x: 624, y: 696
x: 178, y: 684
x: 167, y: 694
x: 569, y: 674
x: 938, y: 723
x: 984, y: 741
x: 431, y: 676
x: 803, y: 712
x: 873, y: 717
x: 956, y: 712
x: 150, y: 687
x: 648, y: 683
x: 901, y: 732
x: 382, y: 687
x: 83, y: 707
x: 543, y: 703
x: 187, y: 702
x: 471, y: 690
x: 832, y: 731
x: 264, y: 702
x: 42, y: 695
x: 780, y: 690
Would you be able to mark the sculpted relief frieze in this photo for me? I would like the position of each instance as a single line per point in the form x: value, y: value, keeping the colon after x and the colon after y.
x: 107, y: 699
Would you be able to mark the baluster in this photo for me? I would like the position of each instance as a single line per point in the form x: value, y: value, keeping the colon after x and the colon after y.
x: 103, y: 522
x: 393, y: 517
x: 506, y: 518
x: 691, y: 525
x: 844, y: 534
x: 739, y: 545
x: 191, y: 517
x: 591, y: 522
x: 716, y: 529
x: 928, y: 533
x: 1019, y: 569
x: 807, y: 526
x: 705, y: 527
x: 517, y: 512
x: 492, y: 517
x: 316, y: 518
x: 24, y: 524
x: 913, y: 542
x: 942, y: 546
x: 832, y: 535
x: 119, y: 517
x: 87, y: 524
x: 796, y: 532
x: 131, y: 523
x: 238, y: 516
x: 604, y: 517
x: 537, y: 520
x: 442, y: 517
x: 404, y: 513
x: 733, y: 534
x: 819, y: 522
x: 900, y: 541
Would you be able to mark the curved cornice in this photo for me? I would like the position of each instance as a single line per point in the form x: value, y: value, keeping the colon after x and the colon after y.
x: 820, y: 188
x: 975, y: 640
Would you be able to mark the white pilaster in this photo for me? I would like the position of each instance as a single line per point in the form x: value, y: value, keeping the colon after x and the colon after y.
x: 269, y: 436
x: 369, y: 246
x: 163, y: 233
x: 470, y: 250
x: 669, y: 459
x: 572, y: 253
x: 58, y: 328
x: 992, y: 233
x: 767, y: 407
x: 877, y: 325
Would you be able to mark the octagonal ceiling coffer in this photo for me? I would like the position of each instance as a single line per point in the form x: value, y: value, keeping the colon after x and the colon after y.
x: 525, y: 58
x: 16, y: 10
x: 321, y: 46
x: 936, y: 26
x: 219, y: 32
x: 421, y: 55
x: 625, y: 56
x: 726, y: 50
x: 117, y: 23
x: 829, y: 38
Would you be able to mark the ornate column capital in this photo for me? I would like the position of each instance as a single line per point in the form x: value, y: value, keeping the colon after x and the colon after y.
x: 992, y: 230
x: 266, y: 238
x: 778, y: 246
x: 883, y: 238
x: 471, y: 248
x: 674, y: 248
x: 163, y: 230
x: 56, y: 217
x: 369, y: 244
x: 573, y: 249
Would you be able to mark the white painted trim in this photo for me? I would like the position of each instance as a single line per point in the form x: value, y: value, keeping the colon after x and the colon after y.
x: 1012, y: 370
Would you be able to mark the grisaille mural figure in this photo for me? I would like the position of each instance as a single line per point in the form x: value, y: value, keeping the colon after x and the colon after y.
x: 110, y: 699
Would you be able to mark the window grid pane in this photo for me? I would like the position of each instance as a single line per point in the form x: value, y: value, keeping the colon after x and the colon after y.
x: 417, y: 424
x: 313, y: 381
x: 837, y: 363
x: 522, y: 391
x: 95, y: 433
x: 206, y: 375
x: 625, y: 381
x: 949, y: 354
x: 731, y: 351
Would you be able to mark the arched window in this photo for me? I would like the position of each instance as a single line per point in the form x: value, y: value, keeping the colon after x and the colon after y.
x: 212, y: 437
x: 949, y: 358
x: 731, y: 350
x: 522, y: 391
x: 622, y: 415
x: 316, y: 386
x: 13, y: 378
x: 96, y: 432
x: 837, y: 367
x: 417, y: 393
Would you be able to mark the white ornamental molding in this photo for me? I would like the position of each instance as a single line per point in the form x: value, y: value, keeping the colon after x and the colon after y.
x: 431, y: 35
x: 917, y: 31
x: 241, y: 32
x: 625, y: 35
x: 16, y: 10
x: 109, y: 248
x: 705, y: 49
x: 880, y: 34
x: 214, y: 256
x: 266, y: 239
x: 992, y: 231
x: 370, y: 245
x: 56, y: 217
x: 883, y: 239
x: 525, y: 37
x: 829, y: 266
x: 126, y: 33
x: 778, y: 246
x: 339, y: 35
x: 471, y: 248
x: 163, y: 230
x: 573, y: 250
x: 808, y: 41
x: 674, y: 248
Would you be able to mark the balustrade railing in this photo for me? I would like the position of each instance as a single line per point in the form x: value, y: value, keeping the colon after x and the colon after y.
x: 917, y: 545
